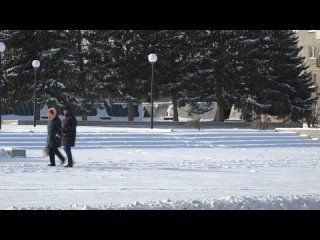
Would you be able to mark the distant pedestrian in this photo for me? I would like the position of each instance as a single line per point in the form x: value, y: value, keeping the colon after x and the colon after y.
x: 68, y: 132
x: 53, y: 139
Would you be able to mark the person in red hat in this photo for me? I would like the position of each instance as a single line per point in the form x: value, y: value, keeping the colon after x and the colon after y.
x: 53, y: 137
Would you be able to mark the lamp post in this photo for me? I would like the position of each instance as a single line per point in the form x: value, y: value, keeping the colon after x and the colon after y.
x: 35, y: 65
x: 152, y: 59
x: 2, y: 48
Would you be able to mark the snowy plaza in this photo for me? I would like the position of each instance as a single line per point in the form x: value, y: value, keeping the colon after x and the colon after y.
x: 130, y: 168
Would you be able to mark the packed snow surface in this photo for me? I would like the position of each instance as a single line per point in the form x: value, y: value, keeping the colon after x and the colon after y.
x: 127, y: 168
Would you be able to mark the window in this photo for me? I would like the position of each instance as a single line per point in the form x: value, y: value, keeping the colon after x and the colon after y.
x: 312, y: 51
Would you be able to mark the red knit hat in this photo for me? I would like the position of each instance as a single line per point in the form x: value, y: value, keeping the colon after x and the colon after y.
x: 51, y: 111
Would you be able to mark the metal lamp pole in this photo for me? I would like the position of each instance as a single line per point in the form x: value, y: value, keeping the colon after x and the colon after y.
x: 2, y: 48
x: 152, y: 97
x: 35, y: 64
x: 152, y: 59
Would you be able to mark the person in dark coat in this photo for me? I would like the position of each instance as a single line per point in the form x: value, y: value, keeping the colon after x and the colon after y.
x: 68, y: 132
x: 53, y: 141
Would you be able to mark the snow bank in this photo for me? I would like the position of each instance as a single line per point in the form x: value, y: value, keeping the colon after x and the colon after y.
x: 305, y: 202
x: 294, y: 129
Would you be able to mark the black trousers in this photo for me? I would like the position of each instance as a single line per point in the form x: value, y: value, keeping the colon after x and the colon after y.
x: 52, y: 153
x: 67, y: 149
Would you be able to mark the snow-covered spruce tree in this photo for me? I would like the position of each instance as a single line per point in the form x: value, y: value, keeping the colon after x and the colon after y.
x: 146, y: 42
x: 78, y: 70
x: 100, y: 63
x: 22, y: 47
x: 253, y: 59
x: 210, y: 68
x: 290, y: 73
x: 6, y: 81
x: 51, y: 82
x: 172, y: 51
x: 199, y: 108
x: 128, y: 67
x: 194, y: 68
x: 17, y: 67
x: 273, y: 74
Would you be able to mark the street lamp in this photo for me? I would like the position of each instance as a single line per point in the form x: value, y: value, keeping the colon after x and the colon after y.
x: 2, y: 48
x: 152, y: 59
x: 35, y: 65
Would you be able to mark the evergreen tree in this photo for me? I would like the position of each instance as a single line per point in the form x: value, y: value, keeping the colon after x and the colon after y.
x: 78, y: 70
x: 24, y: 46
x: 290, y: 72
x: 74, y: 70
x: 257, y: 70
x: 128, y: 68
x: 274, y: 75
x: 100, y: 61
x: 253, y: 70
x: 50, y: 80
x: 210, y: 68
x: 172, y: 50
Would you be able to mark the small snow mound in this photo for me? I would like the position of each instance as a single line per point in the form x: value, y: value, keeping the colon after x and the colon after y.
x: 13, y: 208
x: 85, y: 207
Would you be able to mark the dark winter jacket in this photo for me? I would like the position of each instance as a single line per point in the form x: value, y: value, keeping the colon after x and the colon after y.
x: 54, y: 126
x: 68, y: 130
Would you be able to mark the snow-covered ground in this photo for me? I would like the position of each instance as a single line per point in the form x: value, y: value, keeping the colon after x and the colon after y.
x: 127, y: 168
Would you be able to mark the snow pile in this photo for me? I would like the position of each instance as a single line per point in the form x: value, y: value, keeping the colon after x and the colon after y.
x: 305, y: 202
x: 3, y: 153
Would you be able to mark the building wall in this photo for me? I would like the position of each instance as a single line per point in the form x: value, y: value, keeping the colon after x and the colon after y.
x: 311, y: 38
x: 308, y: 38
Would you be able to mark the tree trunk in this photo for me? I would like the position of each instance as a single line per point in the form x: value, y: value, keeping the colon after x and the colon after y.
x: 175, y: 110
x: 221, y: 115
x: 217, y: 116
x: 130, y: 112
x: 84, y: 116
x: 37, y: 113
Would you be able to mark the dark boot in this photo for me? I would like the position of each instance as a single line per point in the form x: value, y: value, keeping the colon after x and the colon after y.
x: 69, y: 156
x: 69, y: 165
x: 51, y: 157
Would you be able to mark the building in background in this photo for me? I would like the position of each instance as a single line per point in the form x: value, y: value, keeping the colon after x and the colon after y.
x: 309, y: 40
